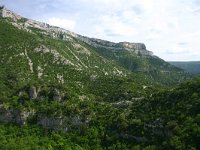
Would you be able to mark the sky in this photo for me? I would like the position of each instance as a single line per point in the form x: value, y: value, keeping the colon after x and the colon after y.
x: 169, y: 28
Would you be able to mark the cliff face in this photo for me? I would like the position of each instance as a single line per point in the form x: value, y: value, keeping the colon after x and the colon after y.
x: 21, y: 117
x: 138, y: 48
x: 7, y: 13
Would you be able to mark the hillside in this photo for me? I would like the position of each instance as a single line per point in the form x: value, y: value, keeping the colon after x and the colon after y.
x: 168, y: 119
x: 62, y: 90
x: 192, y: 67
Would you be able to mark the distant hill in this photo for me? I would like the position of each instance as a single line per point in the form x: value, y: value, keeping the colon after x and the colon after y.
x: 192, y: 67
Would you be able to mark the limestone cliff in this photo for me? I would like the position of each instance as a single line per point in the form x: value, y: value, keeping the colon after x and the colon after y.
x: 138, y: 48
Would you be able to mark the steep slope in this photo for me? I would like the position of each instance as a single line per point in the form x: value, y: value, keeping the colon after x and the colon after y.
x: 192, y: 67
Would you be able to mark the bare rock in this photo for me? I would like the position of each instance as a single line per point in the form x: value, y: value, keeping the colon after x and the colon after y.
x: 14, y: 116
x: 7, y: 13
x: 33, y: 92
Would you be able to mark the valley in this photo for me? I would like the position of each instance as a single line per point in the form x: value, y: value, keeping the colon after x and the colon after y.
x: 62, y: 90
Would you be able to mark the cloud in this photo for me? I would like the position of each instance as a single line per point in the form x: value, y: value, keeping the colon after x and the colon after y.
x: 183, y: 43
x: 177, y: 50
x: 113, y: 25
x: 138, y: 9
x: 64, y: 23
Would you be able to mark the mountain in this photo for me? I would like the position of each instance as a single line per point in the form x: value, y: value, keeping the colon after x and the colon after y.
x: 128, y: 58
x: 62, y: 90
x: 40, y: 61
x: 192, y: 67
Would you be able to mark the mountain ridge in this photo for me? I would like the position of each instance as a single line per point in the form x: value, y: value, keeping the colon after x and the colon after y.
x: 136, y: 47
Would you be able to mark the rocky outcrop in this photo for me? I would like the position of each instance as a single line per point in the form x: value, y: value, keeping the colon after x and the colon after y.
x: 33, y: 92
x: 122, y: 104
x: 56, y: 123
x: 138, y: 48
x: 7, y: 13
x: 19, y: 117
x: 14, y: 116
x: 61, y: 122
x: 42, y: 93
x: 57, y: 57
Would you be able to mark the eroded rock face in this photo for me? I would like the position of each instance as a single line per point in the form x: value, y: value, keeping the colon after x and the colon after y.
x: 55, y: 123
x: 7, y: 13
x: 33, y: 92
x: 138, y: 48
x: 14, y: 116
x: 40, y: 94
x: 61, y: 122
x: 6, y: 116
x: 22, y: 117
x: 43, y: 49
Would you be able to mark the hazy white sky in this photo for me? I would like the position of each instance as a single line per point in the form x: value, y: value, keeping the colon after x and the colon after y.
x: 169, y: 28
